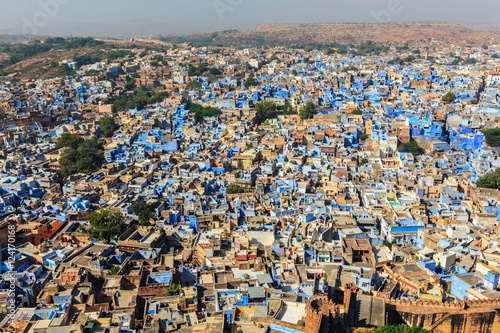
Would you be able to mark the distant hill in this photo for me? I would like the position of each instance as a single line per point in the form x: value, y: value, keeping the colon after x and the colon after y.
x: 9, y: 38
x: 41, y: 59
x: 341, y: 33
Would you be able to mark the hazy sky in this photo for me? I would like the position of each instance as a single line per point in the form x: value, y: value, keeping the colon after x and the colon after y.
x: 142, y: 17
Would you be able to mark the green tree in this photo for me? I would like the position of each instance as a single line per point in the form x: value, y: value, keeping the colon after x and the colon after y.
x: 492, y: 136
x: 214, y: 71
x: 390, y: 244
x: 362, y: 137
x: 108, y: 126
x: 81, y: 156
x: 490, y: 180
x: 449, y: 97
x: 104, y: 225
x: 264, y: 110
x: 307, y: 111
x: 294, y: 72
x: 143, y: 210
x: 173, y: 290
x: 85, y: 164
x: 401, y: 328
x: 349, y: 68
x: 410, y: 58
x: 363, y: 162
x: 250, y: 82
x: 114, y: 270
x: 69, y: 140
x: 131, y: 84
x: 202, y: 112
x: 112, y: 55
x: 396, y: 60
x: 67, y: 158
x: 235, y: 189
x: 191, y: 85
x: 411, y: 147
x: 357, y: 112
x: 192, y: 71
x: 85, y: 59
x: 139, y: 99
x: 287, y: 109
x: 66, y: 70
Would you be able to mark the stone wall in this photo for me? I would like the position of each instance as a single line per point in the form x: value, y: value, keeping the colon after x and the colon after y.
x: 470, y: 316
x: 320, y: 313
x: 441, y: 317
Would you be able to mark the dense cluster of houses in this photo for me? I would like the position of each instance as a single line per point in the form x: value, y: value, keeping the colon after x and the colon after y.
x: 322, y: 206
